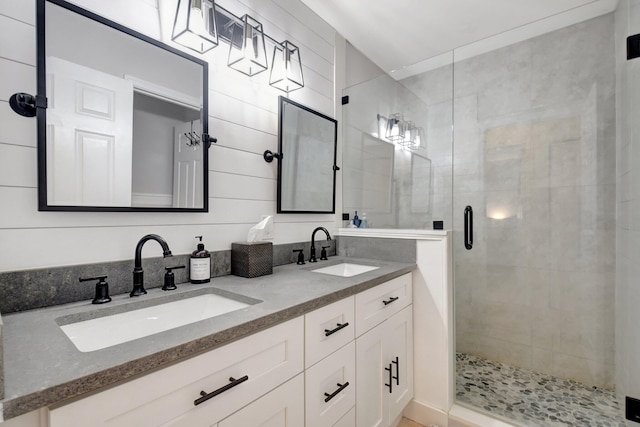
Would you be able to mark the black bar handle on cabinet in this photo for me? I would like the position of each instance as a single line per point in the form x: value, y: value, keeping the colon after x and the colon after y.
x: 335, y: 393
x: 390, y: 385
x: 339, y: 326
x: 390, y: 300
x: 397, y: 377
x: 206, y: 396
x: 468, y: 227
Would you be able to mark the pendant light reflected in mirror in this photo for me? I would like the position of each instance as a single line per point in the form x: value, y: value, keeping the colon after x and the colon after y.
x: 401, y: 132
x: 195, y: 25
x: 396, y: 128
x: 416, y: 139
x: 247, y: 52
x: 286, y: 68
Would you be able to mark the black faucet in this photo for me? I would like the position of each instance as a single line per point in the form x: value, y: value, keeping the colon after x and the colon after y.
x: 138, y: 273
x: 312, y: 257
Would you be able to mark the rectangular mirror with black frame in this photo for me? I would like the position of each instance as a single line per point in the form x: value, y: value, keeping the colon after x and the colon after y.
x: 307, y: 143
x: 125, y: 123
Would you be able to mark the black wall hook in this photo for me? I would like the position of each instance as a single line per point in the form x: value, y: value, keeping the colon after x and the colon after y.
x: 24, y: 104
x: 269, y: 156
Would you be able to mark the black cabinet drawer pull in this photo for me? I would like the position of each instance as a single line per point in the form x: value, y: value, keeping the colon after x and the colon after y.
x: 390, y: 385
x: 390, y: 300
x: 206, y: 396
x: 335, y: 393
x: 397, y: 377
x: 339, y: 326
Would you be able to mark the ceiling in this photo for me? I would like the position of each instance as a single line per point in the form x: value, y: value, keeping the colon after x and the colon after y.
x: 401, y: 36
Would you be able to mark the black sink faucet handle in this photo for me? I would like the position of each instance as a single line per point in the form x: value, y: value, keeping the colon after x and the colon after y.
x: 169, y: 278
x: 102, y: 289
x: 300, y: 256
x: 323, y: 253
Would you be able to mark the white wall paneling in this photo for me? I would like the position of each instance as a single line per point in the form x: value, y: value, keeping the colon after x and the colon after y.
x: 234, y: 186
x: 18, y: 41
x: 141, y: 15
x: 79, y: 245
x: 14, y: 77
x: 20, y: 10
x: 17, y: 168
x: 239, y: 137
x: 243, y: 115
x: 20, y: 211
x: 16, y: 129
x: 223, y: 159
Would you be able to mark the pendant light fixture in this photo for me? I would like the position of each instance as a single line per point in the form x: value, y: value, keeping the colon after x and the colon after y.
x: 396, y: 128
x: 195, y: 25
x: 247, y: 52
x: 416, y: 139
x: 286, y: 68
x: 199, y: 24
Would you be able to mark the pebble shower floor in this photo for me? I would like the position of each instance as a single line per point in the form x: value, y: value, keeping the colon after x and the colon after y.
x: 531, y: 398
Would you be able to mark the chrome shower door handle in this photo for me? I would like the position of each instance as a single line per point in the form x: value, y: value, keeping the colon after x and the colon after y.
x: 468, y: 227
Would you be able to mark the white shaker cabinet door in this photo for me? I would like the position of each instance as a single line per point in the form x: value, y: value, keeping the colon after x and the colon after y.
x: 400, y: 354
x: 371, y: 402
x: 384, y: 370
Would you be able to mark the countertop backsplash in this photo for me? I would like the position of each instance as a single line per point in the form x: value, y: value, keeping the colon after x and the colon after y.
x: 30, y: 289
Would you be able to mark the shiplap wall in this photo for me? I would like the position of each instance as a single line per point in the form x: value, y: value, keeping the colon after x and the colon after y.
x: 243, y: 115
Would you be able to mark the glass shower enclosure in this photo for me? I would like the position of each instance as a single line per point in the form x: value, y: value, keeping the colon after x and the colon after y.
x: 521, y: 147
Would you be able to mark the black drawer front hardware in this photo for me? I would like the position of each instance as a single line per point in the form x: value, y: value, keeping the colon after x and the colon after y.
x: 390, y: 384
x: 390, y: 300
x: 339, y: 326
x: 335, y: 393
x: 206, y: 396
x: 397, y: 377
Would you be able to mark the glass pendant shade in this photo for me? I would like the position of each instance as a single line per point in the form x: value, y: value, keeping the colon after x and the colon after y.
x: 286, y: 68
x: 418, y: 139
x: 396, y: 128
x: 408, y: 134
x: 247, y: 51
x: 195, y: 25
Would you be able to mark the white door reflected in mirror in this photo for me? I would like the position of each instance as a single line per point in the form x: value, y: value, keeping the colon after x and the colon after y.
x: 89, y: 133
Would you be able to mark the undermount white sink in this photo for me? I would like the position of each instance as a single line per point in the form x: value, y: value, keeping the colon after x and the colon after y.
x: 103, y: 332
x: 345, y: 269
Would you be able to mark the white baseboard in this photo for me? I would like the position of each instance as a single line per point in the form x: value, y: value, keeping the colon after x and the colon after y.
x: 425, y: 414
x: 459, y: 416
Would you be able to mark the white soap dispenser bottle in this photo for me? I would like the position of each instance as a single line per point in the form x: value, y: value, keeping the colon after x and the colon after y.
x: 200, y: 264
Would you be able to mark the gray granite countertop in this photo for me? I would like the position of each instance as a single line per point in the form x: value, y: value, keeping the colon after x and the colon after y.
x: 42, y: 367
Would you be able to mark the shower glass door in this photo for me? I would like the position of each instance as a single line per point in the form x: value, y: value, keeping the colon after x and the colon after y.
x: 534, y: 158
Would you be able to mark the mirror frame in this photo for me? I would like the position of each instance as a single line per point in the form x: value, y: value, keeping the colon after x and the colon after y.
x: 41, y: 111
x: 282, y: 101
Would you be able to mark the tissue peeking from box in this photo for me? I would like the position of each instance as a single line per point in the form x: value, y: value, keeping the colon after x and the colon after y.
x: 261, y: 231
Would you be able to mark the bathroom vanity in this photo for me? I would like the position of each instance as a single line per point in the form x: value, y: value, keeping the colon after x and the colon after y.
x: 298, y: 354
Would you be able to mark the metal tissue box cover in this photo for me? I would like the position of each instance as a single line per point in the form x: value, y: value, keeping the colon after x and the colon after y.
x: 251, y: 259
